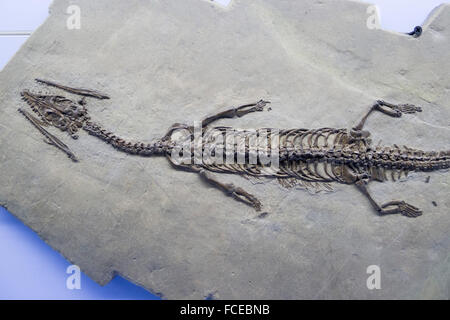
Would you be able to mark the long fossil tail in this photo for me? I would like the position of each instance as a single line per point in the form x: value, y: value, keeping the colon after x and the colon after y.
x: 439, y: 160
x: 388, y: 163
x: 419, y: 160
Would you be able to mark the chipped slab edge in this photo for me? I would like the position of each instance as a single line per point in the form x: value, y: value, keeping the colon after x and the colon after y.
x: 108, y: 275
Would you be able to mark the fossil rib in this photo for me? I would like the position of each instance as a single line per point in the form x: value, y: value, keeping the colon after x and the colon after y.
x: 311, y: 158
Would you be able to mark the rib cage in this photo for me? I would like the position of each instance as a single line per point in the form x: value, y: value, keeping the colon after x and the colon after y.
x: 302, y: 153
x: 322, y: 155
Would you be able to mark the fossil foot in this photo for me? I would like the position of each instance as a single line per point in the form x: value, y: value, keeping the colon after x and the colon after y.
x: 255, y: 107
x: 400, y: 109
x: 261, y: 104
x: 408, y: 108
x: 246, y: 197
x: 401, y: 207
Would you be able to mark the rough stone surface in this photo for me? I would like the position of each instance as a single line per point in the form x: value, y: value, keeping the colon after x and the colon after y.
x: 177, y: 61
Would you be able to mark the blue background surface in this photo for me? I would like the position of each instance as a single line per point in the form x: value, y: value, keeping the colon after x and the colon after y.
x: 29, y: 268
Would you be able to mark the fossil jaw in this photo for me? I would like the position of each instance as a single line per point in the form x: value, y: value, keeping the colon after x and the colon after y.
x: 57, y: 111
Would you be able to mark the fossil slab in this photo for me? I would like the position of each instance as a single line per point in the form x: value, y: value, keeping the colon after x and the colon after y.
x: 176, y: 61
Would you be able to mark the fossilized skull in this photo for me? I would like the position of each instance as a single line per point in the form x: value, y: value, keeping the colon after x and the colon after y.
x: 58, y: 111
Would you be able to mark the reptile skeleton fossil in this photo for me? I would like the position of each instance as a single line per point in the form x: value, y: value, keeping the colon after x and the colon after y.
x: 310, y: 158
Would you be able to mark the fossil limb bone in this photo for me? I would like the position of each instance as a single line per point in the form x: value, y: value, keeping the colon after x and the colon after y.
x: 81, y: 92
x: 51, y: 139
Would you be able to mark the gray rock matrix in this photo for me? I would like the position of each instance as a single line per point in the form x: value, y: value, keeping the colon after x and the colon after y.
x: 162, y: 62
